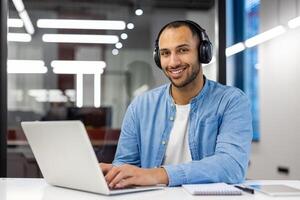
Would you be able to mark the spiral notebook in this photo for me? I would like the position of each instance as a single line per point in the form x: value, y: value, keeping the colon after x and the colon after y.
x: 212, y: 189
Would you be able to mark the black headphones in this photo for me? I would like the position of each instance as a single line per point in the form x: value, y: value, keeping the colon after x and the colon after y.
x: 205, y: 46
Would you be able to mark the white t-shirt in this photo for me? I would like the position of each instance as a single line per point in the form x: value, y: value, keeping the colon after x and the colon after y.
x: 178, y: 145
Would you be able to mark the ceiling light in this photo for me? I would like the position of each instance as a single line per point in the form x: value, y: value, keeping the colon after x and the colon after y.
x: 77, y: 70
x: 119, y: 45
x: 124, y: 36
x: 97, y: 90
x: 79, y: 90
x: 235, y: 49
x: 115, y: 52
x: 81, y: 24
x: 52, y: 99
x: 27, y: 22
x: 77, y: 67
x: 15, y: 23
x: 26, y: 70
x: 26, y: 67
x: 79, y: 38
x: 265, y: 36
x: 19, y: 5
x: 18, y: 37
x: 130, y: 25
x: 23, y: 15
x: 25, y: 63
x: 41, y: 92
x: 52, y: 95
x: 77, y: 63
x: 139, y: 12
x: 293, y: 23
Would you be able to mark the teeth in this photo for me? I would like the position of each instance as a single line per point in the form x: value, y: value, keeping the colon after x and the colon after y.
x: 177, y: 72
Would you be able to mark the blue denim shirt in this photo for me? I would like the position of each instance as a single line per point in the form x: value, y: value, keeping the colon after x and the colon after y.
x: 220, y: 134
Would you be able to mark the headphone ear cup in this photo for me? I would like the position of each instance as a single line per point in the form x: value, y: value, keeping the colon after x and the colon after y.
x: 156, y: 57
x: 205, y: 52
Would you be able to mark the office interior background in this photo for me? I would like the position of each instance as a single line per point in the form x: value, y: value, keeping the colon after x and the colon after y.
x: 82, y: 70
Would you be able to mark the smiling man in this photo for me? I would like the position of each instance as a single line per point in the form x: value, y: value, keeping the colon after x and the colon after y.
x: 192, y: 130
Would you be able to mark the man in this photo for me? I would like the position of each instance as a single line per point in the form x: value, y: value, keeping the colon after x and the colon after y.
x: 190, y: 131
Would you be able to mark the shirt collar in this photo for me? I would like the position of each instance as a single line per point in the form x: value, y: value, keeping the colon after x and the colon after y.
x: 202, y: 92
x: 199, y: 96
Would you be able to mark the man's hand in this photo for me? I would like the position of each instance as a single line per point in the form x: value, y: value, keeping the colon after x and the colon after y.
x: 129, y: 175
x: 105, y: 167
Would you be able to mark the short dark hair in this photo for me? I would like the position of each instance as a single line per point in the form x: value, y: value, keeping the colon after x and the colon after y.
x: 178, y: 24
x: 194, y: 27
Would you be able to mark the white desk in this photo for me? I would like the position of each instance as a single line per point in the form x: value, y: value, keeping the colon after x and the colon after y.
x: 38, y: 189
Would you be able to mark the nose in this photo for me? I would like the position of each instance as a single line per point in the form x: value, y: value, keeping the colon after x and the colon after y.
x: 174, y: 60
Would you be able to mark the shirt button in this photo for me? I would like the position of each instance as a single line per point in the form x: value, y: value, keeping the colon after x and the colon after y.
x: 163, y: 142
x: 172, y: 118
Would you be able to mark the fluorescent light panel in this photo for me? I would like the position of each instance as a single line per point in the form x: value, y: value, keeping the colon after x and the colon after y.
x: 77, y: 67
x: 80, y: 38
x: 25, y: 63
x: 79, y: 90
x: 235, y: 49
x: 19, y: 5
x: 97, y: 90
x: 26, y: 67
x: 77, y: 70
x: 81, y: 24
x: 77, y: 63
x: 24, y: 15
x: 27, y: 70
x: 27, y: 22
x: 52, y: 99
x: 43, y: 92
x: 52, y: 95
x: 294, y: 23
x: 265, y: 36
x: 15, y: 23
x: 18, y: 37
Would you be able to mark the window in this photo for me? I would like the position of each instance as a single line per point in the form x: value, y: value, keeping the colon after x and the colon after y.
x: 250, y: 63
x: 242, y: 70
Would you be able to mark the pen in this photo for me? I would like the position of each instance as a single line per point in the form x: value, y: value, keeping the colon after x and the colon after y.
x: 245, y: 189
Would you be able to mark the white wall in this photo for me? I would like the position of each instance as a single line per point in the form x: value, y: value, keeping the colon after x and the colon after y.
x: 279, y: 93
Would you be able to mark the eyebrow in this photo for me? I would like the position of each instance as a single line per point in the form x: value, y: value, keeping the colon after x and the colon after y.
x: 182, y: 45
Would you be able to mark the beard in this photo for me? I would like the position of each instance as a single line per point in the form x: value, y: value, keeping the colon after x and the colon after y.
x: 188, y: 80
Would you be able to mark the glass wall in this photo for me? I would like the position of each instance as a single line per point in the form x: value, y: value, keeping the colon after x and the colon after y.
x: 251, y: 62
x: 85, y: 60
x: 242, y: 62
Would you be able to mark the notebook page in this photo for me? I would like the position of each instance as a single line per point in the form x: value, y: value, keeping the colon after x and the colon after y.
x: 212, y: 189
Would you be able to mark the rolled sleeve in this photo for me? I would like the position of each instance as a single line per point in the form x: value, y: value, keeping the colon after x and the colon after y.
x: 176, y: 174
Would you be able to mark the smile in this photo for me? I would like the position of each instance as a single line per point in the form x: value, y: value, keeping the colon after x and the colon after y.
x: 176, y: 73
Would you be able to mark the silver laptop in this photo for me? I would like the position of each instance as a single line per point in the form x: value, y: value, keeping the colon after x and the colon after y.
x: 66, y: 157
